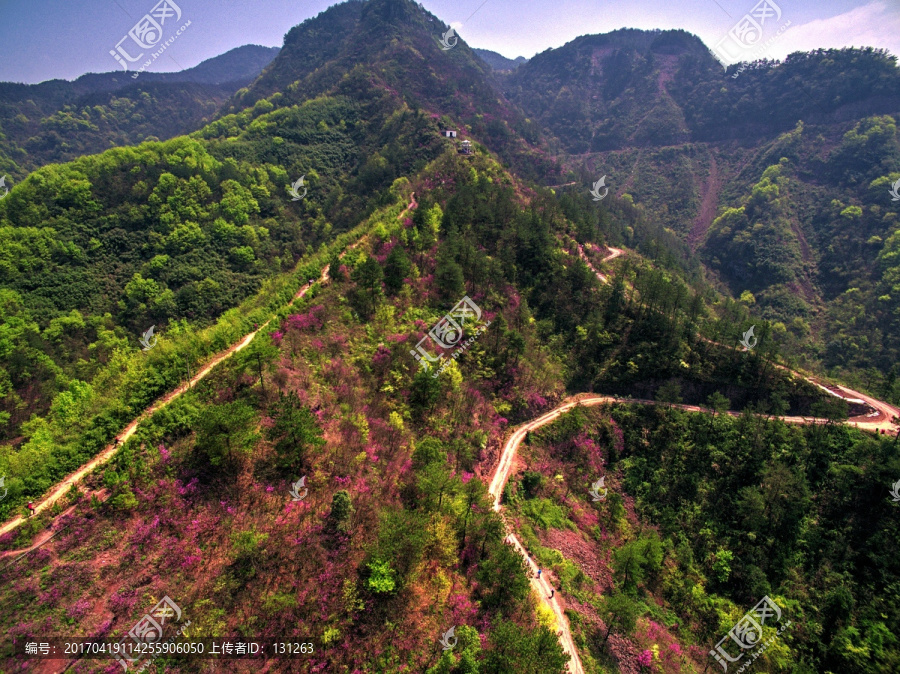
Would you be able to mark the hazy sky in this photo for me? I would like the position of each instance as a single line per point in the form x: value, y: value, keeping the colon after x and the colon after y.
x: 45, y: 39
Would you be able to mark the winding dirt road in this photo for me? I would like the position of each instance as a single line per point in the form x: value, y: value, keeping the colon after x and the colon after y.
x: 613, y: 254
x: 505, y: 466
x: 508, y: 456
x: 882, y: 422
x: 540, y: 585
x: 501, y: 472
x: 103, y: 457
x: 60, y: 490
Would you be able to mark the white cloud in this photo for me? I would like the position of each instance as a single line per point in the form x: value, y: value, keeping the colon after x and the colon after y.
x: 875, y: 24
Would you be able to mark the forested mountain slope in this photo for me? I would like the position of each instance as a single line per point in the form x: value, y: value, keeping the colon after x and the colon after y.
x: 97, y: 251
x: 634, y: 88
x: 391, y: 452
x: 327, y: 481
x: 777, y: 175
x: 56, y: 121
x: 394, y: 45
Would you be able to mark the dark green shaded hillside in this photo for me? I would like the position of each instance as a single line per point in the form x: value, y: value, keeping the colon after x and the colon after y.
x: 633, y: 88
x: 57, y: 121
x: 393, y: 44
x: 706, y: 514
x: 601, y: 92
x: 777, y: 175
x: 758, y: 509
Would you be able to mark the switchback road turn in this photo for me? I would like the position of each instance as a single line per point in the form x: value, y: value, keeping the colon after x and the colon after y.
x: 508, y: 456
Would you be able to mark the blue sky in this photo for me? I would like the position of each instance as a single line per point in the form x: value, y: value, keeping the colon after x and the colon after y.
x: 45, y: 39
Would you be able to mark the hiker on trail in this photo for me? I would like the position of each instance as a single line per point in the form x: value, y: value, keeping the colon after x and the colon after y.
x: 30, y: 506
x: 117, y: 442
x: 539, y: 572
x: 256, y: 326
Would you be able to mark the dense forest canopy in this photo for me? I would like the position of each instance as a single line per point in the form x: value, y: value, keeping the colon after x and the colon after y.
x: 220, y: 295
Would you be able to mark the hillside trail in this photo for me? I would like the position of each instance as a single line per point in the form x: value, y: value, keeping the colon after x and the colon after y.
x: 540, y: 585
x: 613, y: 254
x: 44, y: 536
x: 504, y: 469
x: 498, y: 481
x: 103, y: 457
x: 412, y: 204
x: 60, y: 489
x: 882, y: 421
x: 508, y: 456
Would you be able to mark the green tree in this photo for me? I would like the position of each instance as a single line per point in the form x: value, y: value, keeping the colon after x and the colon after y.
x: 424, y: 392
x: 531, y: 482
x: 502, y: 578
x: 629, y: 562
x: 397, y: 267
x: 381, y: 577
x: 368, y: 277
x: 620, y: 613
x: 669, y: 393
x: 294, y: 432
x: 225, y: 431
x: 334, y: 269
x: 448, y: 277
x: 428, y: 451
x: 524, y: 651
x: 428, y: 223
x: 718, y: 403
x: 237, y: 204
x: 722, y: 565
x: 437, y: 483
x: 342, y: 510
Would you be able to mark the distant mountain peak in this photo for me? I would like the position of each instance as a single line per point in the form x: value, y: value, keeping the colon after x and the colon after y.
x: 498, y: 62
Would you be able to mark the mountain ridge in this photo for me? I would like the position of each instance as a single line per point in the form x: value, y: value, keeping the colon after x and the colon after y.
x: 96, y: 111
x: 460, y: 305
x: 498, y: 62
